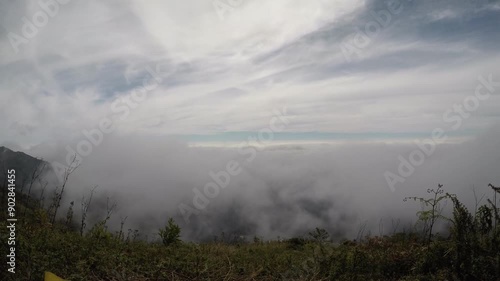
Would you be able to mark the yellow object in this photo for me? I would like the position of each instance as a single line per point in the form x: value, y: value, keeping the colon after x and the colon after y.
x: 49, y: 276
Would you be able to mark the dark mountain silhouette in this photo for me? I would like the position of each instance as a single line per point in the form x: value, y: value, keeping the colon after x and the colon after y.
x: 23, y: 163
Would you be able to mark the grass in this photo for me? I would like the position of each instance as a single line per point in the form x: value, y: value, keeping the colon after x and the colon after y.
x: 470, y: 253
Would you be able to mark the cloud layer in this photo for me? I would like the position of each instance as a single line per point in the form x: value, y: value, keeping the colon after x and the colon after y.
x: 283, y: 191
x: 227, y: 75
x: 361, y: 81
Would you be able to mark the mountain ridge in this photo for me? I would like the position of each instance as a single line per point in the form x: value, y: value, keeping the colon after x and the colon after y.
x: 23, y: 163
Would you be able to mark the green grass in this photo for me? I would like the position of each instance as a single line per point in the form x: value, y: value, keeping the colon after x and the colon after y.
x: 470, y: 253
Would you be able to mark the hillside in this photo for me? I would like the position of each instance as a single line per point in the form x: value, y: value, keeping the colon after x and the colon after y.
x: 62, y: 243
x: 23, y: 163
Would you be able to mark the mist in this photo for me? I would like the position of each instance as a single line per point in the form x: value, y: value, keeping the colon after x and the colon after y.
x: 283, y: 191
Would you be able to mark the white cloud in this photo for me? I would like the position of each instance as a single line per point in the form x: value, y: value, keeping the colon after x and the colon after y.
x: 228, y: 75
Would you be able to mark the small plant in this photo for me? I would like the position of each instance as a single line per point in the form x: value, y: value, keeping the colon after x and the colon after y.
x: 296, y: 243
x: 431, y: 215
x: 484, y: 220
x: 99, y: 233
x: 171, y: 233
x: 85, y: 208
x: 69, y: 215
x: 257, y: 240
x: 58, y: 194
x: 494, y: 203
x: 463, y: 238
x: 319, y: 235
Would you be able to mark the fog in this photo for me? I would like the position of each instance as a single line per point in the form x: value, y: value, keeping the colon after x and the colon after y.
x: 285, y: 190
x: 151, y: 69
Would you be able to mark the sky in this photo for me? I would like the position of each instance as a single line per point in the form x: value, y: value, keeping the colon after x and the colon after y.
x: 361, y: 82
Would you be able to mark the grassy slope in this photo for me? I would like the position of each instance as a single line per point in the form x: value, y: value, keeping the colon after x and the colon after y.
x: 100, y: 255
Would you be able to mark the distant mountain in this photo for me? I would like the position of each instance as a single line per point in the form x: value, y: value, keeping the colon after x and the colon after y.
x: 23, y: 163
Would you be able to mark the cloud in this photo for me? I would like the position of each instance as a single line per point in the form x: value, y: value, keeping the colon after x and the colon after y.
x: 224, y: 77
x: 285, y: 191
x: 66, y: 78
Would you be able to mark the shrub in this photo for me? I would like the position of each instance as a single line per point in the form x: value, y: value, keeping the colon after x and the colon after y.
x: 319, y: 235
x: 171, y: 233
x: 296, y: 243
